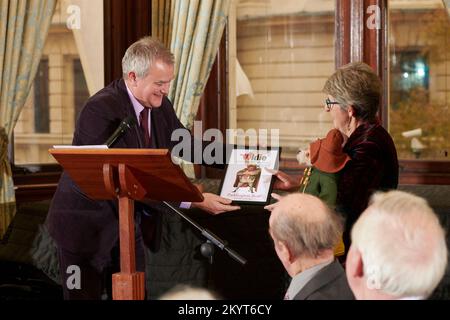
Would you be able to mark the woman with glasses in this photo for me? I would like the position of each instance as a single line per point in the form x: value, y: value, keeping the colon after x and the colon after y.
x: 354, y: 94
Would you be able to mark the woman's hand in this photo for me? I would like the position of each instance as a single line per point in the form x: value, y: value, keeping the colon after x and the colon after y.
x: 284, y: 181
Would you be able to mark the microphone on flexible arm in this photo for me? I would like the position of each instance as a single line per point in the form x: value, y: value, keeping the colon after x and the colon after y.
x: 125, y: 124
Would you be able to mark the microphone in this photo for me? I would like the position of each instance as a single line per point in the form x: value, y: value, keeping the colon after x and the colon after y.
x: 126, y: 124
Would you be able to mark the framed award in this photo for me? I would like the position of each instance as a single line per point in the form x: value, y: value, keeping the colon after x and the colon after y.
x: 247, y: 180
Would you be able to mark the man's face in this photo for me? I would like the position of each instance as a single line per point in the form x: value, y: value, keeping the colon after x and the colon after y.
x: 151, y: 89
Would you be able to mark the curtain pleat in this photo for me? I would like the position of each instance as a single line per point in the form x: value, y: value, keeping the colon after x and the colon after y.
x: 23, y: 29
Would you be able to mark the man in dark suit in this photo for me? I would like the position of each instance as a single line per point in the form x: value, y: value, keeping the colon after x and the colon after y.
x: 305, y: 232
x: 85, y: 230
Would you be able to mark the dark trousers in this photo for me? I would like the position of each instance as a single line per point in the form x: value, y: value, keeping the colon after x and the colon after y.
x: 95, y: 272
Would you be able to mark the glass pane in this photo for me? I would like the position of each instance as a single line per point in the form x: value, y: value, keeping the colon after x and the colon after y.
x: 419, y: 86
x: 71, y: 69
x: 81, y: 91
x: 286, y: 51
x: 41, y: 110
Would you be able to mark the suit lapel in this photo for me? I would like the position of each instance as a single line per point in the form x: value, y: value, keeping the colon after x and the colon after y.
x: 324, y: 276
x: 160, y: 136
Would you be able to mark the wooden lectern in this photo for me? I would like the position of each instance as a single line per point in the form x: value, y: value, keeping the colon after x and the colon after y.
x: 127, y: 174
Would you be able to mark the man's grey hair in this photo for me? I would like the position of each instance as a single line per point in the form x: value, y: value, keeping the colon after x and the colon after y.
x: 141, y: 55
x: 308, y: 226
x: 402, y: 245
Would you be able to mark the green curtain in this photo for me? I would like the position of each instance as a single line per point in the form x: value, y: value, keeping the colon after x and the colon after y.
x: 23, y: 29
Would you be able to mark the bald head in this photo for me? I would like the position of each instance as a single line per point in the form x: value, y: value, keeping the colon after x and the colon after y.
x: 305, y: 224
x: 309, y: 207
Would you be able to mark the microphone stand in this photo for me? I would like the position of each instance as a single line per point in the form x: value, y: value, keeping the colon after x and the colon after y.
x: 207, y: 248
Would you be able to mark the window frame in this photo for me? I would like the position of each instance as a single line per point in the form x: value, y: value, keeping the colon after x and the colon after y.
x: 354, y: 42
x: 34, y: 182
x: 373, y: 48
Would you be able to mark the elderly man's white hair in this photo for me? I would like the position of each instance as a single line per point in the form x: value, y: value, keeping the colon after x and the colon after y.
x: 186, y: 292
x: 402, y: 245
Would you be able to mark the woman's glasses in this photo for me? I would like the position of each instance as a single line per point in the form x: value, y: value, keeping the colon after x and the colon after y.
x: 330, y: 104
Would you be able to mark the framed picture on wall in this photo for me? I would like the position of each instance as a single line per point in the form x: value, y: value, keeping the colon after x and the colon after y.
x: 247, y: 180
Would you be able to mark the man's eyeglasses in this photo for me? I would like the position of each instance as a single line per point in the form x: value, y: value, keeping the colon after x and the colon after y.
x: 330, y: 104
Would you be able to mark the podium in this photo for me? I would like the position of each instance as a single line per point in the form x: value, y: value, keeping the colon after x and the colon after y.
x: 128, y: 175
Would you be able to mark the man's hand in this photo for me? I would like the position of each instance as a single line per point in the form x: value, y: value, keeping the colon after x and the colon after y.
x: 214, y: 204
x: 284, y: 181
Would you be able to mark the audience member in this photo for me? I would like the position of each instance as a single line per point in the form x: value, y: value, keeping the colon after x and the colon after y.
x: 398, y: 249
x: 185, y: 292
x: 305, y: 231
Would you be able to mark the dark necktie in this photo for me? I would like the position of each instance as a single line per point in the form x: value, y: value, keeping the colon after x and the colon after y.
x: 143, y: 118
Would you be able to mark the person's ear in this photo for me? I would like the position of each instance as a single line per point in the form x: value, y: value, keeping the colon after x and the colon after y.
x: 283, y: 251
x: 132, y: 77
x: 354, y: 263
x: 287, y: 253
x: 351, y: 111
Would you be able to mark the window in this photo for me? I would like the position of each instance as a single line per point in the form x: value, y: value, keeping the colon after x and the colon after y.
x: 411, y: 37
x: 81, y: 92
x: 71, y: 69
x: 419, y: 114
x: 409, y: 72
x: 284, y: 55
x: 41, y: 97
